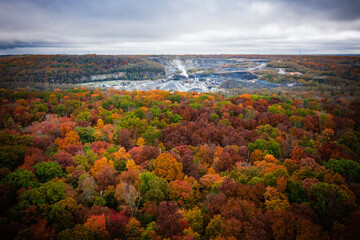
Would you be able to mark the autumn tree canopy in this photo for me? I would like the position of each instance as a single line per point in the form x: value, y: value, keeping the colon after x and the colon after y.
x: 110, y: 164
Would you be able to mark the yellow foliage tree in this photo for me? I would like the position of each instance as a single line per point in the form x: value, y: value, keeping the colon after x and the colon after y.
x: 71, y: 138
x: 274, y: 200
x: 190, y: 234
x: 99, y: 165
x: 270, y: 158
x: 98, y: 135
x: 131, y: 165
x: 100, y: 124
x: 144, y: 109
x: 211, y: 170
x: 122, y: 154
x: 167, y: 167
x: 140, y: 142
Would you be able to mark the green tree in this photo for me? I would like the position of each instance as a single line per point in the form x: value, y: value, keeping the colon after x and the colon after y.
x: 348, y: 168
x: 151, y: 134
x: 48, y: 170
x: 12, y: 156
x: 330, y: 202
x: 63, y: 215
x: 21, y: 178
x: 84, y: 116
x: 154, y: 188
x: 271, y: 146
x: 350, y: 140
x: 48, y: 193
x: 267, y: 131
x: 136, y: 125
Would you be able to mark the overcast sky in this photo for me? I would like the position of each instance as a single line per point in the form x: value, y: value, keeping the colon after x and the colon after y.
x: 180, y: 26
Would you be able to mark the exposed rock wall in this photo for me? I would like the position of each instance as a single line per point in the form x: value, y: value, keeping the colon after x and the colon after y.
x: 100, y: 77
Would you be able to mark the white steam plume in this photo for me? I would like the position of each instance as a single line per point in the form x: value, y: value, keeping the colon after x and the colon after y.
x: 181, y: 67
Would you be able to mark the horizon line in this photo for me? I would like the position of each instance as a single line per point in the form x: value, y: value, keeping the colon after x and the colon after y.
x: 184, y: 54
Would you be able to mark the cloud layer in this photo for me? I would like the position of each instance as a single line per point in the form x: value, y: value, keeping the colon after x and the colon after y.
x: 180, y: 26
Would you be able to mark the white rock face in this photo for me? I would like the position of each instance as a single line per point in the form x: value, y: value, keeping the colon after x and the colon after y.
x: 117, y: 75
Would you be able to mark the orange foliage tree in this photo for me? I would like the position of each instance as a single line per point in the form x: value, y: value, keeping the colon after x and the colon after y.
x: 71, y: 138
x: 166, y: 166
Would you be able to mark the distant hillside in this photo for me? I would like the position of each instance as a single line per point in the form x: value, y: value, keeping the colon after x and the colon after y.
x: 76, y: 68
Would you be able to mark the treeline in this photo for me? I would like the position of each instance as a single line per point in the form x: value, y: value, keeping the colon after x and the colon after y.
x: 90, y: 164
x: 75, y: 68
x: 331, y: 70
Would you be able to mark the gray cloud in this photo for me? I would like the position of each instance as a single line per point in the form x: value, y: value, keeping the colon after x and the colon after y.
x: 179, y: 26
x: 334, y: 9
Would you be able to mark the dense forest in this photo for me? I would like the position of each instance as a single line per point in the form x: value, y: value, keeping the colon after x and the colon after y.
x: 95, y: 164
x: 75, y: 68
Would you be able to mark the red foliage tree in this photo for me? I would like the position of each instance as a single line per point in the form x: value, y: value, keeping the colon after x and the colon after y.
x: 144, y: 153
x: 74, y: 149
x: 124, y: 139
x: 96, y: 224
x: 332, y: 151
x: 41, y: 230
x: 116, y: 223
x: 33, y: 156
x: 106, y: 177
x: 100, y: 146
x: 168, y: 222
x: 65, y: 159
